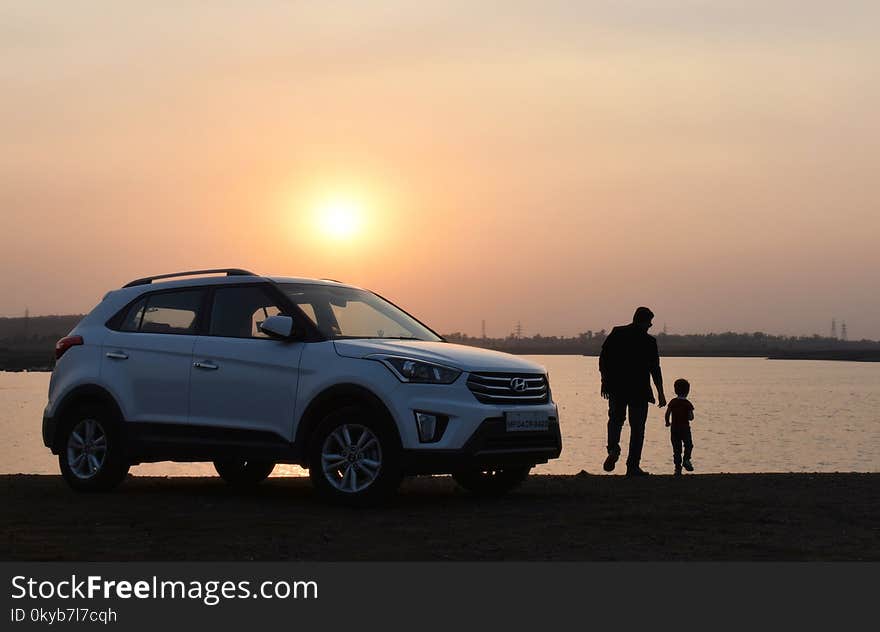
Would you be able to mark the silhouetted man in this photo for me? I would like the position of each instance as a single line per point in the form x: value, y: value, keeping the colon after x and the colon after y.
x: 628, y: 360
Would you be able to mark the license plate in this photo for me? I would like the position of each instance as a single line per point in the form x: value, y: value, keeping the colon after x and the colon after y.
x: 527, y: 422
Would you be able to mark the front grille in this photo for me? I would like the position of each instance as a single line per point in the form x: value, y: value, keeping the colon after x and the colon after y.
x: 497, y: 388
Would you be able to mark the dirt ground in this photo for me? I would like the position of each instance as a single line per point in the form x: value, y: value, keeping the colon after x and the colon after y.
x: 582, y: 517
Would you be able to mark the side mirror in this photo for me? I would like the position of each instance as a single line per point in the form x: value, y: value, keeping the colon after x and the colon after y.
x: 278, y: 327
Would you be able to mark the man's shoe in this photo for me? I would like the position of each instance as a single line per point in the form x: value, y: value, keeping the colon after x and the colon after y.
x: 677, y: 470
x: 688, y: 465
x: 608, y: 466
x: 637, y: 472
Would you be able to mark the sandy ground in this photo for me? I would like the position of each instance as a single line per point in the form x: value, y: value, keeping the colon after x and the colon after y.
x: 583, y: 517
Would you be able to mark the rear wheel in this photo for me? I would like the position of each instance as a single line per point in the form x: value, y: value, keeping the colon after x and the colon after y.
x: 91, y: 451
x: 243, y: 472
x: 492, y: 482
x: 354, y: 456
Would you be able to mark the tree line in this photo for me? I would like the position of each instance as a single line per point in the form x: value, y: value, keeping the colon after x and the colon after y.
x: 28, y: 343
x: 754, y: 344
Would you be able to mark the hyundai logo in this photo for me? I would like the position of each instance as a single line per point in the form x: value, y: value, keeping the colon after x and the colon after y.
x: 518, y: 384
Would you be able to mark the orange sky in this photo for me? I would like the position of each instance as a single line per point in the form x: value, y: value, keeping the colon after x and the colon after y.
x: 556, y: 163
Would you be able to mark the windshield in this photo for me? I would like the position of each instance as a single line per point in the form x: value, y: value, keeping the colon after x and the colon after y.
x: 342, y: 312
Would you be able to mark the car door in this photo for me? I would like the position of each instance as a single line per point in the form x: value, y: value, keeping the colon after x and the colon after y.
x: 146, y: 361
x: 241, y: 378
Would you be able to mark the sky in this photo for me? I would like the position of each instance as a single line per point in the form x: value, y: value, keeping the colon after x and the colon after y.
x: 553, y: 163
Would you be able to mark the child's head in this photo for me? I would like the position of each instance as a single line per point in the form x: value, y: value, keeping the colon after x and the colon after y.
x: 682, y: 387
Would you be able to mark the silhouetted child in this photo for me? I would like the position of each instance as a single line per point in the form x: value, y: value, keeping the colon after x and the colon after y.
x: 680, y: 412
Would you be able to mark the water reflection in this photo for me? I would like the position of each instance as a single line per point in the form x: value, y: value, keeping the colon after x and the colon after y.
x: 752, y: 415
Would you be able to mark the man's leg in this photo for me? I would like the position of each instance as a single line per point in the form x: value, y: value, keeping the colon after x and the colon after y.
x: 616, y: 417
x: 638, y: 415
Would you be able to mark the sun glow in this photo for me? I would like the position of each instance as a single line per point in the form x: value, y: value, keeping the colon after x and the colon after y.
x: 339, y: 217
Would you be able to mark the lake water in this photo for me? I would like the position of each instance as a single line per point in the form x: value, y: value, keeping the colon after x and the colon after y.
x: 752, y: 415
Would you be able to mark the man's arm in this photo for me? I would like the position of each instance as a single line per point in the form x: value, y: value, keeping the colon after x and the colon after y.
x: 603, y: 366
x: 657, y: 376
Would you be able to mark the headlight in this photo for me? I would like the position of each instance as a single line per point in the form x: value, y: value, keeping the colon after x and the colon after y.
x: 418, y: 371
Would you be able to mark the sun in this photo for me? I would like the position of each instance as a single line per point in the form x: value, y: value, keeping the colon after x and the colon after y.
x: 339, y: 217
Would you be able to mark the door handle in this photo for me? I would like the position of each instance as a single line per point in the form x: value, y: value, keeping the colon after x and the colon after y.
x: 117, y: 355
x: 210, y: 366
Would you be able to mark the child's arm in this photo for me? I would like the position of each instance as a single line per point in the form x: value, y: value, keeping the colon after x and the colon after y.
x: 668, y: 413
x: 691, y: 412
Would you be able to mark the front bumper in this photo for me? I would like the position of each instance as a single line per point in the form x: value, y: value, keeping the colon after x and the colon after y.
x: 455, y: 402
x: 489, y: 446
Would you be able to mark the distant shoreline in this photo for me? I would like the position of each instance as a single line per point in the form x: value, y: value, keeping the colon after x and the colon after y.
x: 12, y: 365
x: 831, y: 356
x: 27, y: 344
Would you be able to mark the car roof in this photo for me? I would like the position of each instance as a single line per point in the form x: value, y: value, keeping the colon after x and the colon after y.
x: 305, y: 280
x: 202, y: 281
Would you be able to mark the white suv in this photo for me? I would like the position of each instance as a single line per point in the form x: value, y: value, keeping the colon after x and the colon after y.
x: 249, y: 371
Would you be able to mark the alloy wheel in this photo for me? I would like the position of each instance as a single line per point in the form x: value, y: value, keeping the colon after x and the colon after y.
x: 87, y: 448
x: 351, y: 458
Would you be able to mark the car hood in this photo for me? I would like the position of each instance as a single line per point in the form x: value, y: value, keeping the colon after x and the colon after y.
x: 459, y: 356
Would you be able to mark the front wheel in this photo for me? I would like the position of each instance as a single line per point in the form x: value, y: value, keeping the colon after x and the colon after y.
x: 243, y: 472
x: 492, y: 482
x: 354, y: 457
x: 91, y: 454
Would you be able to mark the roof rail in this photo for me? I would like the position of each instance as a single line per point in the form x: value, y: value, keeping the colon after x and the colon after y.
x: 226, y: 271
x: 334, y: 280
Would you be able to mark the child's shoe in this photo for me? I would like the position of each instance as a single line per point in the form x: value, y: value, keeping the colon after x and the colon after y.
x: 688, y: 465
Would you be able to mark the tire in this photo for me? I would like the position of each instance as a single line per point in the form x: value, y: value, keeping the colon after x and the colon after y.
x: 489, y: 482
x: 91, y: 449
x: 367, y: 470
x: 243, y: 472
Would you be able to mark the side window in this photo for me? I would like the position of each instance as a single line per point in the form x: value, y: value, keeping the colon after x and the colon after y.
x: 259, y: 316
x: 172, y: 312
x: 309, y: 310
x: 134, y: 316
x: 238, y: 312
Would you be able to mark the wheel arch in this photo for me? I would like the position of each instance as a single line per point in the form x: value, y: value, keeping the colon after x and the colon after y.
x: 333, y: 398
x: 82, y: 394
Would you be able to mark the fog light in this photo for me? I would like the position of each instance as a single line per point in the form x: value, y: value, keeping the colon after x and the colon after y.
x: 431, y: 426
x: 427, y: 427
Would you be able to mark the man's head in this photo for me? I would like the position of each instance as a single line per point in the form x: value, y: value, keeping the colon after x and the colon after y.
x: 682, y: 387
x: 643, y: 318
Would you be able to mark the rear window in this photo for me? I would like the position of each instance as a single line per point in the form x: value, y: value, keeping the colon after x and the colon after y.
x: 132, y: 321
x: 165, y: 313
